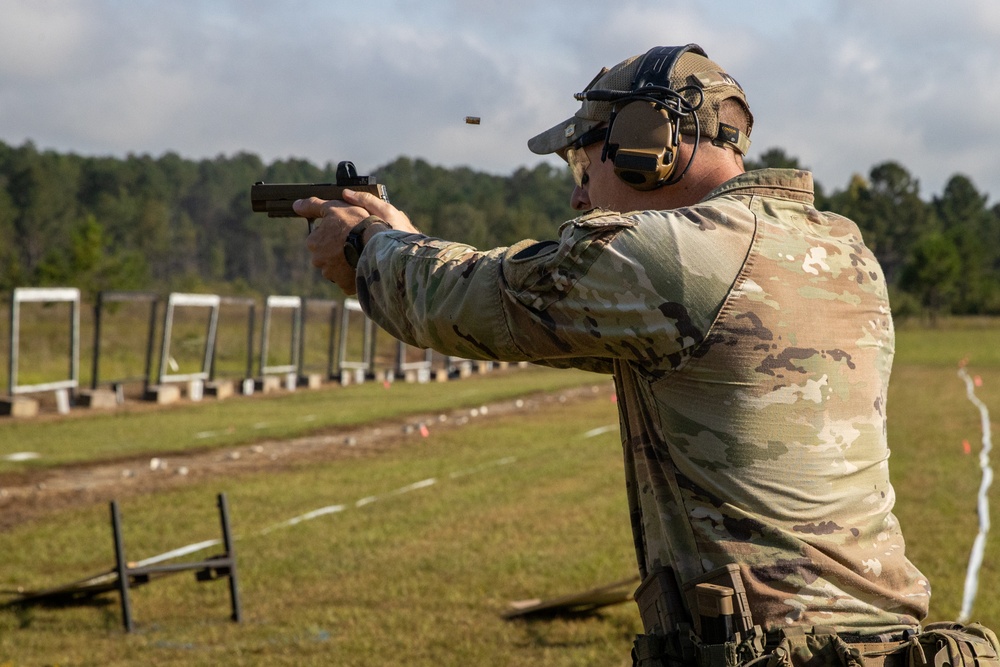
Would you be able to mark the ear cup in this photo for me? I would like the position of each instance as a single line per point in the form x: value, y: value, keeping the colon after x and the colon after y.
x: 642, y: 145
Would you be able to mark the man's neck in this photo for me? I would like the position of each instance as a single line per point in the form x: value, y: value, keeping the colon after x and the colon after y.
x: 696, y: 185
x: 712, y: 167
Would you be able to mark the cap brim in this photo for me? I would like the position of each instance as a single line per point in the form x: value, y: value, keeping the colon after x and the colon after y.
x: 559, y: 137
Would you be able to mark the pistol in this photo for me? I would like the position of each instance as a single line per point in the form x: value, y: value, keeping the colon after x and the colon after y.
x: 276, y: 199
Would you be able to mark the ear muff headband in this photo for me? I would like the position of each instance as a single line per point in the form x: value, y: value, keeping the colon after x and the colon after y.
x: 644, y: 129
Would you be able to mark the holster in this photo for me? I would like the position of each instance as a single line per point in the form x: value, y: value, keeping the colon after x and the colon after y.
x: 660, y: 603
x: 713, y: 603
x: 708, y: 624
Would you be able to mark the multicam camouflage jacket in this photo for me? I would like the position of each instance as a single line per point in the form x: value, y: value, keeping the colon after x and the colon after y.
x: 751, y: 342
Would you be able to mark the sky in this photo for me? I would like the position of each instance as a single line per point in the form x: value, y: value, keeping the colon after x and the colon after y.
x: 842, y: 85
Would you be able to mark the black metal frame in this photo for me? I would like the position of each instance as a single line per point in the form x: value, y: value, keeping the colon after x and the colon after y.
x: 334, y: 307
x: 104, y: 297
x: 251, y: 306
x: 215, y: 567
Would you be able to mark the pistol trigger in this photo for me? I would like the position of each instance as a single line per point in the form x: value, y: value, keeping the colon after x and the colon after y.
x: 310, y: 221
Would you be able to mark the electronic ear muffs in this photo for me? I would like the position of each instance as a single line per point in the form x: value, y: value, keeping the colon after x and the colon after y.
x: 642, y: 145
x: 644, y: 129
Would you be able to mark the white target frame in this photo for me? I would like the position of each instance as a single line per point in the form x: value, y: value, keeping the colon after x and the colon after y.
x: 21, y: 295
x: 175, y: 299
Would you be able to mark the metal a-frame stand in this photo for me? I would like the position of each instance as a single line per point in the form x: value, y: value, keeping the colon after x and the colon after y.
x: 215, y: 567
x: 124, y: 577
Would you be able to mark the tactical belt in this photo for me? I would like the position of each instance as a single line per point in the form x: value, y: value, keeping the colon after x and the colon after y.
x: 719, y: 632
x: 937, y: 645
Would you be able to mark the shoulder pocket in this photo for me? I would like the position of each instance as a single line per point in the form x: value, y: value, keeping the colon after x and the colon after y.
x: 538, y: 274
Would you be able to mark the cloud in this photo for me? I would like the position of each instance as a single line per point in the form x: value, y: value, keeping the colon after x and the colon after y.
x: 839, y: 84
x: 867, y: 85
x: 40, y: 39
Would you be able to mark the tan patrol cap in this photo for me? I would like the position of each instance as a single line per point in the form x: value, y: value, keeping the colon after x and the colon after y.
x: 691, y: 69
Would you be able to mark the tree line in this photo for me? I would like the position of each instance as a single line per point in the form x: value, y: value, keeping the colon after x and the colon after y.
x: 174, y: 224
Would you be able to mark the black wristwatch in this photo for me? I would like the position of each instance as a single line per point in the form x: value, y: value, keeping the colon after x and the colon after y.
x: 355, y: 242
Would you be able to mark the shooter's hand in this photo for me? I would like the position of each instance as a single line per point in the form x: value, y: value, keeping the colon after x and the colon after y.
x: 334, y: 220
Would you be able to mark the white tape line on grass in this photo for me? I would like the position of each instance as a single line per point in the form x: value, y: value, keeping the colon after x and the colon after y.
x: 983, y: 505
x: 315, y: 514
x: 416, y: 486
x: 336, y: 509
x: 507, y: 460
x: 201, y: 435
x: 593, y: 433
x: 177, y: 553
x: 325, y: 511
x: 22, y: 456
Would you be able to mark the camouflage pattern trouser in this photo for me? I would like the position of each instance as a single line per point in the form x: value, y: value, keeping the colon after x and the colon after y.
x: 937, y: 645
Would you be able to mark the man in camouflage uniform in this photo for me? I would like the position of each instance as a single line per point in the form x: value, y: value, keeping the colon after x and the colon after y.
x: 750, y: 340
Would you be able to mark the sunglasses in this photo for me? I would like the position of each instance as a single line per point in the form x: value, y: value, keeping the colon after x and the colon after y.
x: 576, y: 154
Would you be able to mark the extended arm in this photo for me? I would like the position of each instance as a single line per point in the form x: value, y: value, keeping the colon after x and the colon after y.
x: 334, y: 221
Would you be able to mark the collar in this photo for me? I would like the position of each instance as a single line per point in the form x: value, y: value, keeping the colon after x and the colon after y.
x: 794, y: 184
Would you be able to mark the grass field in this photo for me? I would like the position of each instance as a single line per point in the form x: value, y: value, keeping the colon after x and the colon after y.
x: 435, y: 537
x: 528, y: 506
x: 213, y: 424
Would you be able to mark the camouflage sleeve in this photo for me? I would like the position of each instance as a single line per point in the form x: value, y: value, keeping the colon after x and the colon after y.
x: 435, y: 294
x: 643, y: 287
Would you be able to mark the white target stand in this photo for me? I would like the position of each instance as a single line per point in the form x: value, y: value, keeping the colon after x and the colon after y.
x: 167, y: 386
x: 275, y: 376
x: 18, y: 404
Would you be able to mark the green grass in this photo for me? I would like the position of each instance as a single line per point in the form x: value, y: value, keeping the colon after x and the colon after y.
x: 937, y: 482
x: 976, y: 339
x: 528, y: 507
x: 193, y: 426
x: 420, y: 578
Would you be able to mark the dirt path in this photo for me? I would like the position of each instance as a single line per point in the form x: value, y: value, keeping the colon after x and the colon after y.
x: 27, y: 496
